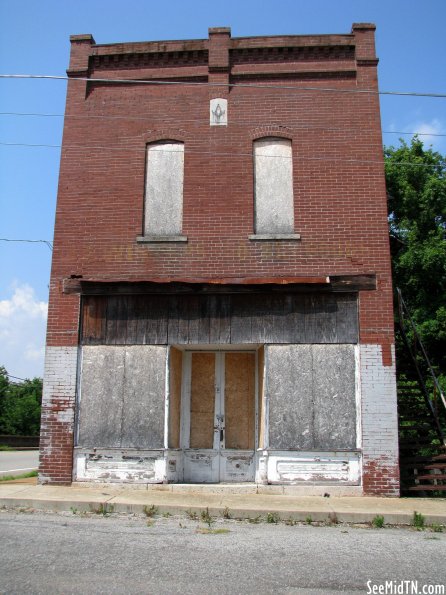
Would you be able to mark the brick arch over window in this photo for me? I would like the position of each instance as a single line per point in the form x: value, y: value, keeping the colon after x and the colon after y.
x: 273, y: 186
x: 164, y: 180
x: 271, y: 131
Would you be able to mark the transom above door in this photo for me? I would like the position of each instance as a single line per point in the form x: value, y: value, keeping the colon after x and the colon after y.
x: 218, y: 417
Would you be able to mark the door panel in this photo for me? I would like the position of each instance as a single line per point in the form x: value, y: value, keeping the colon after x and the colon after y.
x: 202, y: 400
x: 239, y: 400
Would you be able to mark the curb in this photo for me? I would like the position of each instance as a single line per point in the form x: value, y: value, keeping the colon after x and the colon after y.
x: 111, y: 505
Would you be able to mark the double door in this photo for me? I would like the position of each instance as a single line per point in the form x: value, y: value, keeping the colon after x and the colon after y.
x: 218, y: 431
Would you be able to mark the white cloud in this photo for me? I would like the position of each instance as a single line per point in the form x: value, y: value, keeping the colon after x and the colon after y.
x: 427, y: 131
x: 22, y: 332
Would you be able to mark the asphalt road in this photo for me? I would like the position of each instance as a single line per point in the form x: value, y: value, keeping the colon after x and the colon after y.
x: 15, y: 462
x: 73, y: 554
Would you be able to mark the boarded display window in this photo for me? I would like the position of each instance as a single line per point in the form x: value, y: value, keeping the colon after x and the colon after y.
x: 122, y: 392
x: 312, y: 397
x: 273, y: 186
x: 164, y: 189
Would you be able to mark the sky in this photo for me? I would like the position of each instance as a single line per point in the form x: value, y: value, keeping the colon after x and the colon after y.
x: 34, y: 39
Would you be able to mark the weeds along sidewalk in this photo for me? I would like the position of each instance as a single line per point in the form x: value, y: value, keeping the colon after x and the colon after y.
x: 393, y: 511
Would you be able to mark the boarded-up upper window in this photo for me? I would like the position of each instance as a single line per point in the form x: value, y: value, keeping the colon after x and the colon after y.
x: 164, y: 189
x: 273, y: 186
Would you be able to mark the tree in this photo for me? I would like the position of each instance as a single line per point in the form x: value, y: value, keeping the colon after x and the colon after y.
x: 416, y: 187
x: 20, y: 406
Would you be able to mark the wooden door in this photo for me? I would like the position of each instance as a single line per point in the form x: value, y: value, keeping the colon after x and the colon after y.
x: 218, y: 429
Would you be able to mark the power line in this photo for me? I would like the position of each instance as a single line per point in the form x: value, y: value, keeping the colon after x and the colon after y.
x: 15, y: 377
x: 48, y: 243
x: 219, y: 154
x: 196, y: 120
x: 208, y: 84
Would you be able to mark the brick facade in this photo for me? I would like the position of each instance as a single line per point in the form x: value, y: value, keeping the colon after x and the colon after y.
x: 338, y: 177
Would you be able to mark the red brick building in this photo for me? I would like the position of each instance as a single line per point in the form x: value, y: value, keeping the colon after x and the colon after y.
x: 221, y: 300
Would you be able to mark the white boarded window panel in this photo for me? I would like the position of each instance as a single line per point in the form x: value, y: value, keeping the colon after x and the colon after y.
x: 273, y: 183
x: 164, y: 189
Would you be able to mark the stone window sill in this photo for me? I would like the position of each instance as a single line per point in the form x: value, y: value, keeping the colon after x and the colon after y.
x: 264, y: 237
x: 157, y: 239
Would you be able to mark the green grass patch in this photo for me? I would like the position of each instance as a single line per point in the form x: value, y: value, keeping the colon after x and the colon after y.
x: 5, y: 447
x: 418, y: 520
x: 21, y: 476
x: 208, y: 531
x: 378, y: 522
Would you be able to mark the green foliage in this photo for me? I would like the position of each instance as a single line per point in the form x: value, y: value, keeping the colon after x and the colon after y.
x: 418, y: 520
x: 378, y: 521
x: 206, y: 517
x: 417, y: 221
x: 20, y: 406
x: 21, y: 476
x: 272, y: 517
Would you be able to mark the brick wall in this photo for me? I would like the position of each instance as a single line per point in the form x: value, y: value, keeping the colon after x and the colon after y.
x: 58, y: 400
x: 379, y: 422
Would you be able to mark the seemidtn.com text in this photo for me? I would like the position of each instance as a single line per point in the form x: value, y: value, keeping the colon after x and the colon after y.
x: 404, y: 587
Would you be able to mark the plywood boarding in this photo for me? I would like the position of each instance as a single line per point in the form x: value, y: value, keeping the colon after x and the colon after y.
x: 202, y: 400
x: 261, y: 395
x: 220, y: 319
x: 239, y: 400
x: 122, y: 396
x: 175, y: 374
x: 312, y: 400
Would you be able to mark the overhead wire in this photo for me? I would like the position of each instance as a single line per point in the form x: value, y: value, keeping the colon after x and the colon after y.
x: 197, y: 120
x: 219, y: 154
x: 47, y: 242
x: 216, y: 84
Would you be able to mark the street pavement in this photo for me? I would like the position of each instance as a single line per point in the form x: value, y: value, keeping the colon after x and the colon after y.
x: 15, y: 462
x: 78, y: 553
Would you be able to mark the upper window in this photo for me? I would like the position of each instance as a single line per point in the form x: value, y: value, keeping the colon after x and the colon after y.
x: 163, y: 211
x: 273, y: 187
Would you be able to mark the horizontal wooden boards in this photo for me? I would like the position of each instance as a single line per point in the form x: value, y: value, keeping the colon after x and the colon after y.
x: 155, y: 319
x: 336, y: 283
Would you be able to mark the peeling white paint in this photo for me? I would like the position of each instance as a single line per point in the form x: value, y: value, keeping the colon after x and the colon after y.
x: 316, y: 468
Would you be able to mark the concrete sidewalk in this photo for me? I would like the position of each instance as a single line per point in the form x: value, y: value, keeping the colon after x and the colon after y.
x: 177, y: 499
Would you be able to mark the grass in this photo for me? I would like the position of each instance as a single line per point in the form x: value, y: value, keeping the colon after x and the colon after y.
x: 272, y: 517
x: 209, y: 531
x: 418, y: 520
x: 21, y: 476
x: 5, y: 447
x: 206, y: 517
x: 150, y: 511
x: 104, y: 508
x: 378, y: 522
